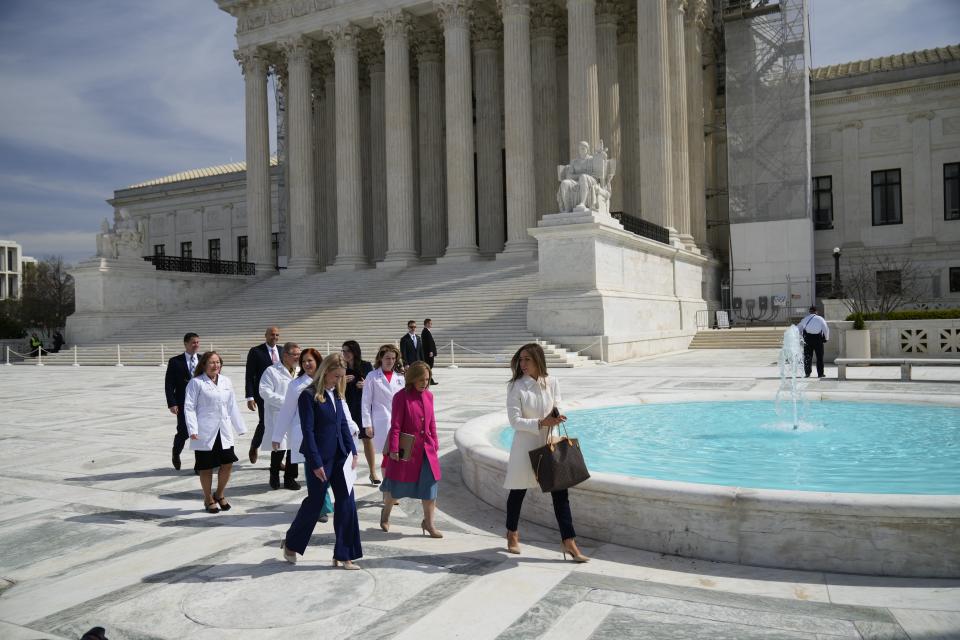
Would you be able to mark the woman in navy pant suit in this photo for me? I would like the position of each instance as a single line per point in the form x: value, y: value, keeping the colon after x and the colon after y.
x: 327, y: 443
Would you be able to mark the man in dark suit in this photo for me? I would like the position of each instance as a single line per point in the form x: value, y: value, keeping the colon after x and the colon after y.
x: 429, y: 346
x: 258, y: 359
x: 411, y: 346
x: 179, y: 371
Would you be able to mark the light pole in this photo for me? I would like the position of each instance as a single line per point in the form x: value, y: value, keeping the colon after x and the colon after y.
x: 837, y: 287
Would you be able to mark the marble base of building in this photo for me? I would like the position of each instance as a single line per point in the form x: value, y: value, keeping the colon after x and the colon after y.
x: 613, y: 294
x: 113, y: 295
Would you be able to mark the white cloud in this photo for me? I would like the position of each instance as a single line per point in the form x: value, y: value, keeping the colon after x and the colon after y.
x: 74, y: 246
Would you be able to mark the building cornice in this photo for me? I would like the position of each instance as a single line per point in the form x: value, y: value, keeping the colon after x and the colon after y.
x: 884, y: 91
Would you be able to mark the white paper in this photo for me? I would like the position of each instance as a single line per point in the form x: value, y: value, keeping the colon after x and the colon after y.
x: 349, y: 473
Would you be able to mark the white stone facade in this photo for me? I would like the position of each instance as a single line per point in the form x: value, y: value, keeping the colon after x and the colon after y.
x: 12, y: 263
x: 906, y: 120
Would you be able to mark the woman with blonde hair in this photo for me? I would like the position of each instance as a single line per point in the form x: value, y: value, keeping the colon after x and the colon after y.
x: 414, y: 473
x: 533, y: 400
x: 376, y: 403
x: 213, y: 419
x: 327, y: 445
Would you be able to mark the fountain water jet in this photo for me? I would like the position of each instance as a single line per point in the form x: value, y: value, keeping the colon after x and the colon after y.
x: 791, y: 370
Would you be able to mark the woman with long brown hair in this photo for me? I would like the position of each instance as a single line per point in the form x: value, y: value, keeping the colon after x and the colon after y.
x: 533, y: 400
x: 357, y: 371
x: 376, y: 404
x: 327, y: 446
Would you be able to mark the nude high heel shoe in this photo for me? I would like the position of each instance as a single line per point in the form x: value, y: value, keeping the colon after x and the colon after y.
x: 345, y: 564
x: 570, y: 546
x: 431, y: 530
x: 513, y: 541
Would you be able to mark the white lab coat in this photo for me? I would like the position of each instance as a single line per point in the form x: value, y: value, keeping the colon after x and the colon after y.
x: 287, y: 430
x: 376, y: 405
x: 528, y: 401
x: 210, y: 409
x: 273, y: 389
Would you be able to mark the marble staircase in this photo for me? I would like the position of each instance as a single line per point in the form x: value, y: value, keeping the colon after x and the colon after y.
x: 752, y: 338
x: 480, y: 306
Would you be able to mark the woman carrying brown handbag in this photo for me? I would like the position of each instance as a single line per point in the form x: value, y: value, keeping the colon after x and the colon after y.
x: 531, y: 398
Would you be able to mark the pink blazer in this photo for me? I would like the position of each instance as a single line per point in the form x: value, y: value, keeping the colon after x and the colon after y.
x: 413, y: 413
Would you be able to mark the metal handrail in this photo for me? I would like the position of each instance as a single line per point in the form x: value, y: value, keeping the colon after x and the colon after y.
x: 202, y: 265
x: 641, y: 227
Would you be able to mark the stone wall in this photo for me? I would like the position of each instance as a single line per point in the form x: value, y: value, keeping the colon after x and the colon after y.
x: 901, y: 338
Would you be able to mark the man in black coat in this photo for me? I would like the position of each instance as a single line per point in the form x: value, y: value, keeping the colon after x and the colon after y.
x: 258, y: 359
x: 179, y: 371
x: 411, y: 346
x: 429, y: 346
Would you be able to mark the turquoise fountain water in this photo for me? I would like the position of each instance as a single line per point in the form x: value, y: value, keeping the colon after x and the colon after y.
x: 838, y: 446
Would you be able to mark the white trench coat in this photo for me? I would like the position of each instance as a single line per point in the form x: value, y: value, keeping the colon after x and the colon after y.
x: 376, y: 405
x: 528, y: 401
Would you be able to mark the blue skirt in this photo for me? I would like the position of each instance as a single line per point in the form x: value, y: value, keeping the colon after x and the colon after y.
x: 423, y: 489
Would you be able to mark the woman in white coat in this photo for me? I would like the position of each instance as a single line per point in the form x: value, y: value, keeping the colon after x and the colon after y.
x: 212, y: 417
x: 273, y: 390
x: 533, y: 399
x: 377, y: 402
x: 286, y: 433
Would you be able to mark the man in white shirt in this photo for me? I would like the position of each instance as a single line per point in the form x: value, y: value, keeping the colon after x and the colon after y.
x: 815, y: 333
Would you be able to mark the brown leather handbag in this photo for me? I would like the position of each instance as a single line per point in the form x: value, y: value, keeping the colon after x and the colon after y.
x: 559, y: 464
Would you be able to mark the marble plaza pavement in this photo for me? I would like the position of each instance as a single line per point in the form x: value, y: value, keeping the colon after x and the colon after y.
x: 96, y: 528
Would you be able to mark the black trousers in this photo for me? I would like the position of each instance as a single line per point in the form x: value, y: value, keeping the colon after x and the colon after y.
x: 182, y: 436
x: 561, y: 509
x: 812, y: 344
x: 429, y: 362
x: 276, y: 457
x: 258, y: 432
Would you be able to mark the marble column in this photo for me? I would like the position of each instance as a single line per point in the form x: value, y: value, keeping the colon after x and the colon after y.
x: 433, y: 221
x: 319, y: 167
x: 654, y: 110
x: 415, y: 149
x: 278, y: 67
x: 628, y: 166
x: 712, y: 142
x: 328, y: 180
x: 461, y: 208
x: 678, y: 122
x: 518, y: 123
x: 923, y: 210
x: 254, y: 64
x: 401, y: 234
x: 696, y: 22
x: 486, y: 33
x: 343, y: 40
x: 302, y: 227
x: 563, y: 95
x: 370, y: 231
x: 374, y: 58
x: 543, y: 32
x: 582, y: 74
x: 608, y: 82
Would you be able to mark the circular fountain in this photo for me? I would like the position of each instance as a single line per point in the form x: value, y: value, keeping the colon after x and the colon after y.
x: 830, y: 482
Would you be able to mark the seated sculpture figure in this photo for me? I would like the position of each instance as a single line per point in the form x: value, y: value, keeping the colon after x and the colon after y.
x: 585, y: 182
x: 124, y: 239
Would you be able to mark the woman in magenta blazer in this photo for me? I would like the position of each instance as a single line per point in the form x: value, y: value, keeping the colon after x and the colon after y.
x: 417, y: 478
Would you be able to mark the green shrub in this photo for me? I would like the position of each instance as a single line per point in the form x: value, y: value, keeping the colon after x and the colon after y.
x: 858, y: 322
x: 911, y: 314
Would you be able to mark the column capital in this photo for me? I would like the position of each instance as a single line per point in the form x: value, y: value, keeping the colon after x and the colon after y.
x: 395, y: 24
x: 544, y: 19
x: 921, y: 115
x: 514, y: 7
x: 487, y: 32
x: 343, y: 38
x: 428, y: 43
x: 608, y: 12
x: 627, y: 24
x: 697, y: 13
x: 252, y: 60
x: 297, y: 49
x: 454, y: 14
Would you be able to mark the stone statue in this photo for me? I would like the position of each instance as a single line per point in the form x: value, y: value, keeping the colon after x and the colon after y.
x: 585, y: 182
x: 124, y: 239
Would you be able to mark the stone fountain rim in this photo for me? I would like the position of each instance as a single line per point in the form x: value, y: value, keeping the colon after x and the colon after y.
x: 474, y: 438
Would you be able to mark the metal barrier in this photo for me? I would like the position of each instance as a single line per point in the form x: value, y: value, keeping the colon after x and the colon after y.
x: 641, y: 227
x: 201, y: 265
x: 749, y: 317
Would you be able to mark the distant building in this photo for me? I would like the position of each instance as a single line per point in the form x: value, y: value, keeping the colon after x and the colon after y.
x: 12, y: 266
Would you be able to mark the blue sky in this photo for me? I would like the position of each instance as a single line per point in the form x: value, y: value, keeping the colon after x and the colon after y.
x: 100, y: 94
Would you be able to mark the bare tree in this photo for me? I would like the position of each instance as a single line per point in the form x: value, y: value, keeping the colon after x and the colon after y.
x: 879, y: 284
x: 48, y: 294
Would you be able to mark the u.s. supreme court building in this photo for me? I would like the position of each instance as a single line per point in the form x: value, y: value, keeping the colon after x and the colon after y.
x: 720, y: 171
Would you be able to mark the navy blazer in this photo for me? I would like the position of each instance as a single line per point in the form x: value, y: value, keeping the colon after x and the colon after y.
x: 325, y: 431
x: 176, y: 379
x: 258, y: 360
x: 408, y: 352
